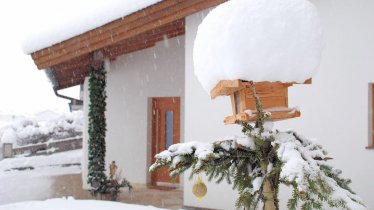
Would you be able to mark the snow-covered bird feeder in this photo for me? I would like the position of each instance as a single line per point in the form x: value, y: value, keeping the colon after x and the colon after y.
x: 273, y: 43
x: 273, y: 97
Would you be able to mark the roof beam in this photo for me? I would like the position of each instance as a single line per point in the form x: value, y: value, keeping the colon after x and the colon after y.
x: 145, y: 40
x: 78, y: 68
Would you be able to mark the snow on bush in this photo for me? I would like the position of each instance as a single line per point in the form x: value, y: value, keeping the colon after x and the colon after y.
x: 258, y: 40
x: 26, y: 131
x: 9, y: 136
x: 303, y: 161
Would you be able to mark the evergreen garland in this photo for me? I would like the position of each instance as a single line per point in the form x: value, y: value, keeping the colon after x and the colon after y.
x: 96, y: 130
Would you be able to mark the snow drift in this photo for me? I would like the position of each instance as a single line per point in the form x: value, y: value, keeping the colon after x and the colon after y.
x: 72, y: 204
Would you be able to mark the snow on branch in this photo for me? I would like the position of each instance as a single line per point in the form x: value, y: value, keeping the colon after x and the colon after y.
x: 298, y: 161
x: 305, y: 168
x: 199, y: 155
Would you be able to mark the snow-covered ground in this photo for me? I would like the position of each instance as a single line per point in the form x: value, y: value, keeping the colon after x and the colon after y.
x: 44, y: 161
x: 26, y: 183
x: 71, y: 204
x: 36, y: 180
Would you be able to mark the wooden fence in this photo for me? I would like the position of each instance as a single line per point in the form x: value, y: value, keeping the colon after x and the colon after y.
x: 49, y: 147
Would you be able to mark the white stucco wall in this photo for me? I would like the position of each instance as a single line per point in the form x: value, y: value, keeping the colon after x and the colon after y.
x: 84, y: 163
x: 131, y: 80
x: 334, y: 108
x: 204, y: 122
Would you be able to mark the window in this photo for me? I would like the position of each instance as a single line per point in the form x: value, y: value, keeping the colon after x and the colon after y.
x: 169, y: 128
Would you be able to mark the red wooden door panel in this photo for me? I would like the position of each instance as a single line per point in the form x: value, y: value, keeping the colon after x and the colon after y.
x: 165, y: 131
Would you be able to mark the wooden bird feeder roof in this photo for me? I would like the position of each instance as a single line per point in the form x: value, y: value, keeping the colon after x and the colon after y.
x: 228, y: 87
x: 273, y: 97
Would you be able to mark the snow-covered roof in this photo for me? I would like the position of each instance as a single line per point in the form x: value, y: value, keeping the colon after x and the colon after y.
x: 258, y: 40
x: 72, y: 18
x: 68, y: 60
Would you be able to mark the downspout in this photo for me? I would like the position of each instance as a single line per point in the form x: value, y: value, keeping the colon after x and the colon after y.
x: 64, y: 97
x: 73, y: 101
x: 53, y: 80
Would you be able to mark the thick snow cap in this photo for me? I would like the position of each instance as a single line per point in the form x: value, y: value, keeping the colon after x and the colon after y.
x: 55, y: 21
x: 258, y: 40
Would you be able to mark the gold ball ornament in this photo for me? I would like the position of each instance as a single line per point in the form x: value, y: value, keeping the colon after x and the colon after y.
x: 199, y: 188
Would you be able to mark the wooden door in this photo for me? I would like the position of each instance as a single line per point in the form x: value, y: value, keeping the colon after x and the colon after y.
x: 165, y: 132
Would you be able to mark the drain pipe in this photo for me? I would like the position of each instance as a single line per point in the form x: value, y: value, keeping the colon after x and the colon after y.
x: 74, y: 103
x: 54, y: 82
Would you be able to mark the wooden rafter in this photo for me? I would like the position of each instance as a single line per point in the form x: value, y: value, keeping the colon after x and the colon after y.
x: 145, y: 40
x: 75, y: 63
x: 71, y: 82
x: 74, y: 71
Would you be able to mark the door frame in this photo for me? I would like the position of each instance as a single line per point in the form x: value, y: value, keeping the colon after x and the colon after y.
x: 154, y: 132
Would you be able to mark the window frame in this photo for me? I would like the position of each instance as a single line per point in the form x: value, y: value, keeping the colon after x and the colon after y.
x: 370, y: 116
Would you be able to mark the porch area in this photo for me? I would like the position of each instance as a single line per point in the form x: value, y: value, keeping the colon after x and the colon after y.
x: 158, y: 197
x: 71, y: 185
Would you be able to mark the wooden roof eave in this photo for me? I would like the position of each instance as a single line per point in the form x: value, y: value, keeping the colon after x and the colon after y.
x: 124, y: 28
x: 73, y: 71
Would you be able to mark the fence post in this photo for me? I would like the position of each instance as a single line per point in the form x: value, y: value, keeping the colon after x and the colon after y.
x: 7, y: 150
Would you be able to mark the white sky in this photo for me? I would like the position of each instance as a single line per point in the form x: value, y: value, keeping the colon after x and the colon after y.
x: 23, y: 88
